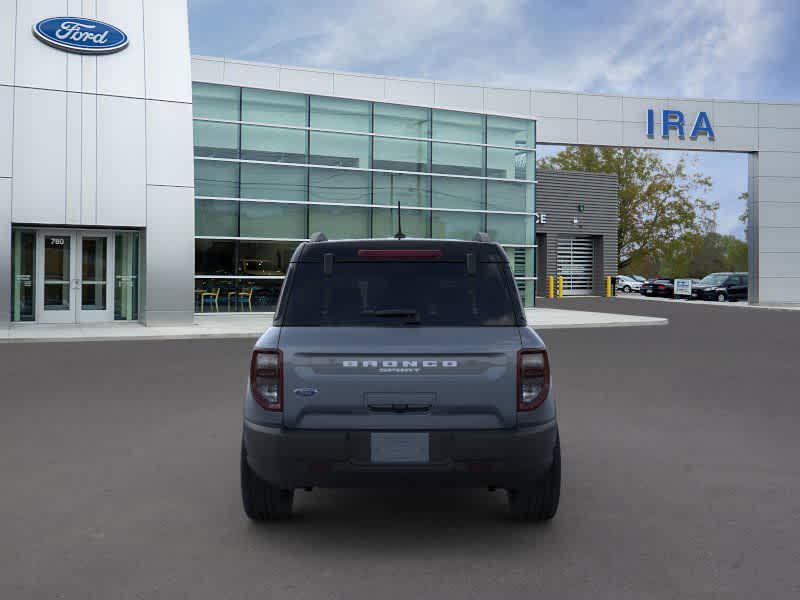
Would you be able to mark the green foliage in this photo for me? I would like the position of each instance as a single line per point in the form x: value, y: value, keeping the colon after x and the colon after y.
x: 694, y: 255
x: 660, y: 203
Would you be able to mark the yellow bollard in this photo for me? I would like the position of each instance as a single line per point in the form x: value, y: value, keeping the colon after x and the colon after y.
x: 551, y: 287
x: 608, y: 287
x: 561, y: 286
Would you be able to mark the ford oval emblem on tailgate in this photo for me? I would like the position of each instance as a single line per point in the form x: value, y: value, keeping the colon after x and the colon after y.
x: 305, y: 392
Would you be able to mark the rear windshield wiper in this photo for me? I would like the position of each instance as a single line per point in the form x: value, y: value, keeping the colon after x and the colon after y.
x: 394, y: 312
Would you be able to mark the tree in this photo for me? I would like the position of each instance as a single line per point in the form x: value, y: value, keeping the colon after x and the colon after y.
x: 659, y: 202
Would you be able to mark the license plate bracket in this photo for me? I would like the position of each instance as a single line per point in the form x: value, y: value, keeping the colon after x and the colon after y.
x: 404, y: 448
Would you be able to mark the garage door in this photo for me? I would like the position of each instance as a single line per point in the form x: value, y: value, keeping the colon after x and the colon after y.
x: 576, y: 264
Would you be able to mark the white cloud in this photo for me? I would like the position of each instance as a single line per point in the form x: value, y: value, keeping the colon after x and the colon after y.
x: 687, y: 47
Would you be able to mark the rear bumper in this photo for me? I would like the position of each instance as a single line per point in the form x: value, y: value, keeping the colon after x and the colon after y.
x: 316, y: 458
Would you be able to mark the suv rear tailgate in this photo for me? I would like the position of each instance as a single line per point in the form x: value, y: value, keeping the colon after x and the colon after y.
x: 408, y: 378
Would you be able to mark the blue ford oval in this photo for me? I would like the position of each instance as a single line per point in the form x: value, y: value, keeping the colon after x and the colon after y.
x: 84, y: 36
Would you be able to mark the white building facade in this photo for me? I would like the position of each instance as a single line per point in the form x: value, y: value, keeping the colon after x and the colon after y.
x: 99, y: 155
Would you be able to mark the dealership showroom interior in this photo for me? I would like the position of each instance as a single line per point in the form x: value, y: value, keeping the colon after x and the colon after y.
x: 191, y: 191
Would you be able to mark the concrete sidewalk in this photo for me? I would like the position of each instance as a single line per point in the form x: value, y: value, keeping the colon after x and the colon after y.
x: 251, y: 326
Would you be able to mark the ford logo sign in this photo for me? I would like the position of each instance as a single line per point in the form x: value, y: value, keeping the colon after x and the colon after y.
x: 84, y: 36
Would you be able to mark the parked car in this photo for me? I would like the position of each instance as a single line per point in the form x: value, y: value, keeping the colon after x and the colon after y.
x: 722, y: 287
x: 400, y: 363
x: 627, y: 284
x: 663, y: 288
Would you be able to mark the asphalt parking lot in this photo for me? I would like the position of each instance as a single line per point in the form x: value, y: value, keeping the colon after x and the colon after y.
x: 119, y: 466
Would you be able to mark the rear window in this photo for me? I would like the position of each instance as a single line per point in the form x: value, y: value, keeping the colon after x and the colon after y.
x: 399, y: 294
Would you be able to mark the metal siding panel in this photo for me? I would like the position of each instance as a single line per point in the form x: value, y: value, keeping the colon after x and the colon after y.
x: 407, y: 91
x: 167, y: 59
x: 6, y: 127
x: 39, y: 148
x: 211, y: 71
x: 358, y: 86
x: 74, y: 159
x: 245, y: 74
x: 37, y: 65
x: 8, y: 24
x: 121, y: 169
x: 5, y: 250
x: 123, y: 73
x: 89, y: 159
x: 169, y: 144
x: 169, y: 255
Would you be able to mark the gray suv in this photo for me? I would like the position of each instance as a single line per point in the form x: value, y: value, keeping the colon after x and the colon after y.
x: 398, y: 363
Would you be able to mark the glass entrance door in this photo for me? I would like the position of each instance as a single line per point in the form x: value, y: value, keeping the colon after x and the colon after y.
x: 73, y: 275
x: 56, y: 277
x: 94, y: 302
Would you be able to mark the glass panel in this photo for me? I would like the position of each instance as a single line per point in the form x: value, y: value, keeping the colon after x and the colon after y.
x: 400, y: 155
x: 214, y: 178
x: 220, y: 140
x: 457, y: 159
x: 93, y: 273
x: 281, y: 108
x: 457, y: 126
x: 451, y: 192
x: 503, y: 195
x: 458, y: 226
x: 410, y: 190
x: 509, y: 164
x: 126, y: 276
x: 441, y: 293
x: 273, y: 144
x: 265, y: 258
x: 339, y: 150
x: 416, y: 223
x: 23, y: 259
x: 521, y: 261
x: 507, y: 131
x: 510, y: 229
x: 261, y: 219
x: 56, y: 272
x: 215, y: 101
x: 526, y: 289
x: 273, y: 182
x: 336, y: 113
x: 216, y: 217
x: 214, y: 257
x: 334, y: 185
x: 339, y: 222
x: 264, y: 296
x: 236, y: 295
x: 407, y: 121
x: 216, y: 295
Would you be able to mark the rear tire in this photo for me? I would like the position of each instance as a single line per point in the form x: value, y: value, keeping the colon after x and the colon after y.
x: 627, y: 289
x: 539, y: 501
x: 262, y: 501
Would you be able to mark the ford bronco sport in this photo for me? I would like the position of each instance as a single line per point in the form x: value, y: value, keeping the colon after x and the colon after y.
x: 395, y: 363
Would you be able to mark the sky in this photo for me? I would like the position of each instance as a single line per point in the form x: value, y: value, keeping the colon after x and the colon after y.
x: 732, y: 49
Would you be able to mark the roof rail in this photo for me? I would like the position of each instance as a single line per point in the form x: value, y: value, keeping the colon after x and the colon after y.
x: 481, y: 236
x: 318, y: 236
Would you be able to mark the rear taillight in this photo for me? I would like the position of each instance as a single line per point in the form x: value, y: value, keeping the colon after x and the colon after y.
x: 266, y: 378
x: 533, y: 378
x: 661, y: 287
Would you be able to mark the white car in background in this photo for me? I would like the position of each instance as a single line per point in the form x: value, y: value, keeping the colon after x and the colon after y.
x: 628, y: 284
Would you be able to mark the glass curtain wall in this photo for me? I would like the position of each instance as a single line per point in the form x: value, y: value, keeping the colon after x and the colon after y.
x: 273, y: 167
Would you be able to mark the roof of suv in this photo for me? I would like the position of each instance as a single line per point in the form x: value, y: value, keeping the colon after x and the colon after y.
x: 451, y: 250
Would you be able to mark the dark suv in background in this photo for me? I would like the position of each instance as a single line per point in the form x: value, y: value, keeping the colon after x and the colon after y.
x: 722, y: 287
